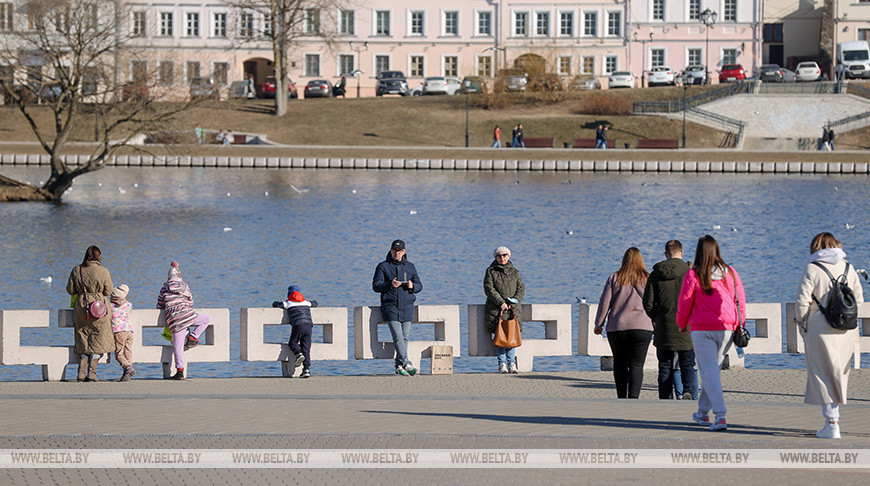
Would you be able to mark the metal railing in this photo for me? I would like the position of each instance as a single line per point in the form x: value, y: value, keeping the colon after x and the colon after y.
x: 821, y: 87
x: 857, y: 90
x: 851, y: 122
x: 673, y: 106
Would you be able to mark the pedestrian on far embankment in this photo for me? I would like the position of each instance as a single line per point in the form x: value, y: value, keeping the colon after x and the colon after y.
x: 91, y: 283
x: 504, y: 289
x: 601, y: 137
x: 397, y: 281
x: 185, y: 325
x: 708, y: 307
x: 496, y: 137
x: 828, y: 350
x: 672, y: 346
x: 629, y: 329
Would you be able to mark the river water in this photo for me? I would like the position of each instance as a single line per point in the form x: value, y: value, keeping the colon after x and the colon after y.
x: 242, y: 236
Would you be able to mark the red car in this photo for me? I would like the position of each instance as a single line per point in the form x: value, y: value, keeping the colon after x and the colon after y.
x: 732, y: 72
x: 269, y: 88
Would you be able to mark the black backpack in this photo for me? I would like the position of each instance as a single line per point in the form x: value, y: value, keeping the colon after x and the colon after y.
x: 842, y: 310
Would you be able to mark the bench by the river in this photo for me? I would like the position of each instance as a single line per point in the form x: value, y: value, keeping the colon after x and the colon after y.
x: 538, y: 142
x: 658, y: 143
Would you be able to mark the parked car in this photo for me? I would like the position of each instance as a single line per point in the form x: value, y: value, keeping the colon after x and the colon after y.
x: 620, y: 79
x: 238, y: 89
x: 416, y: 91
x: 318, y: 88
x: 545, y: 82
x: 511, y: 80
x: 731, y: 72
x: 584, y: 82
x: 808, y: 71
x: 770, y: 73
x: 203, y: 87
x: 436, y: 85
x: 476, y: 84
x: 392, y: 82
x: 661, y: 75
x: 269, y: 88
x: 696, y: 74
x: 788, y: 76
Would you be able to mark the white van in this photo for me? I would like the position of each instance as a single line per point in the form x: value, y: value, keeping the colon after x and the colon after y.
x: 854, y: 58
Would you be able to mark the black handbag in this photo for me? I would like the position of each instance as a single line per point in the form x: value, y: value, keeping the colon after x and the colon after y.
x: 741, y: 334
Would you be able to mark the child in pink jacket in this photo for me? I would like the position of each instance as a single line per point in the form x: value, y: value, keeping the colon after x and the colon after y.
x: 708, y: 308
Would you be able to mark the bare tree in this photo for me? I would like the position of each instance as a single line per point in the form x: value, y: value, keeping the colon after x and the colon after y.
x: 286, y: 24
x: 61, y: 60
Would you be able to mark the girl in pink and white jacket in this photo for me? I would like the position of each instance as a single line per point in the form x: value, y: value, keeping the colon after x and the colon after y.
x: 708, y: 308
x: 185, y: 325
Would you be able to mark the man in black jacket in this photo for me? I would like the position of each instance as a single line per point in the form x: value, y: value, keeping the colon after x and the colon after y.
x: 397, y: 281
x: 660, y: 303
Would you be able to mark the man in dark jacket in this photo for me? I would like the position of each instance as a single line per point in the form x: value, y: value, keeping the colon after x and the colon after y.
x: 397, y: 281
x: 660, y: 303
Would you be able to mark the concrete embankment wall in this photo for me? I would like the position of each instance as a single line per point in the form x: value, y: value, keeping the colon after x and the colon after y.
x: 456, y: 164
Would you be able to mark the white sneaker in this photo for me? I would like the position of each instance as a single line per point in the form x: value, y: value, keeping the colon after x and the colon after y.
x: 502, y: 368
x: 513, y: 369
x: 829, y: 431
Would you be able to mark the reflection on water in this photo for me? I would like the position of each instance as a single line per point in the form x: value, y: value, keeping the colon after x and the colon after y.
x: 243, y: 236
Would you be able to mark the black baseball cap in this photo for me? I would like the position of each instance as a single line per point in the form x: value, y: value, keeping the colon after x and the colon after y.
x: 398, y: 245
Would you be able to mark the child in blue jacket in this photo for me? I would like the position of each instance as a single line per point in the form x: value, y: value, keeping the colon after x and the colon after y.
x: 299, y: 314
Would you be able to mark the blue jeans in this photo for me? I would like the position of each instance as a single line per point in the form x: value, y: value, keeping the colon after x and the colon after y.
x: 601, y: 144
x: 506, y: 356
x: 496, y: 144
x: 400, y: 332
x: 681, y: 379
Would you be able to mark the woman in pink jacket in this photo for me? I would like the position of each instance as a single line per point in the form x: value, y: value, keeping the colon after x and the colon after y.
x: 708, y: 307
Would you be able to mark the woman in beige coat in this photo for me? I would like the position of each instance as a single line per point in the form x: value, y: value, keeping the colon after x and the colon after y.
x: 828, y: 350
x: 93, y: 337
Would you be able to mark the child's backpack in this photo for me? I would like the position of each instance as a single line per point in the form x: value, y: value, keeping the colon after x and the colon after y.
x: 842, y: 309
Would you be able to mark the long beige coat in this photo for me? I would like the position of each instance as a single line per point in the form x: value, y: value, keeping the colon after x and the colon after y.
x: 828, y: 350
x: 92, y: 336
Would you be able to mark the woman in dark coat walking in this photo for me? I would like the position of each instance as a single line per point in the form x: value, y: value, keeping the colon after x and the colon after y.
x: 504, y: 290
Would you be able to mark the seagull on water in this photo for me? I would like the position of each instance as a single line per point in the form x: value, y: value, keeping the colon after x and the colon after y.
x: 45, y: 279
x: 300, y: 191
x: 122, y: 190
x: 412, y: 212
x: 849, y: 226
x: 227, y: 228
x: 717, y: 227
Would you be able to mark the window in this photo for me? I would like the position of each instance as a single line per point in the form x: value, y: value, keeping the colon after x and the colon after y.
x: 61, y: 19
x: 484, y: 23
x: 587, y: 65
x: 657, y: 57
x: 693, y: 57
x: 451, y: 23
x: 729, y: 13
x: 863, y: 34
x: 138, y: 24
x: 346, y: 24
x: 220, y: 24
x: 382, y: 22
x: 7, y: 74
x: 220, y: 70
x: 611, y: 64
x: 694, y: 9
x: 416, y: 23
x: 191, y: 28
x: 521, y: 24
x: 6, y: 19
x: 614, y: 24
x: 484, y: 66
x: 166, y: 24
x: 165, y: 73
x: 267, y: 25
x: 90, y: 16
x: 345, y: 63
x: 382, y: 63
x: 658, y: 9
x: 451, y: 66
x: 246, y: 24
x: 565, y: 65
x: 191, y: 70
x: 312, y: 21
x: 566, y: 24
x: 773, y: 33
x: 542, y: 23
x: 311, y: 65
x: 590, y: 24
x: 139, y: 72
x: 90, y: 78
x: 416, y: 66
x: 35, y: 20
x: 729, y: 56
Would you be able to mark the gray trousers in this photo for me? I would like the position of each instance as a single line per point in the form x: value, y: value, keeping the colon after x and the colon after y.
x: 710, y: 350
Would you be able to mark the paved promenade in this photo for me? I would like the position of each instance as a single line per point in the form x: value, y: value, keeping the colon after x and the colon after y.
x: 466, y: 411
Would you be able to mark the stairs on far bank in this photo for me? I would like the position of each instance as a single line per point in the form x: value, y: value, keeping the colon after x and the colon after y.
x: 774, y: 144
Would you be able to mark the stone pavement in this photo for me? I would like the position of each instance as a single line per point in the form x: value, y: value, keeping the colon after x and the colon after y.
x: 575, y: 410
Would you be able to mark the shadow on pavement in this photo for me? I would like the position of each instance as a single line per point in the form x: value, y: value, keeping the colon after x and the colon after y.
x: 733, y: 429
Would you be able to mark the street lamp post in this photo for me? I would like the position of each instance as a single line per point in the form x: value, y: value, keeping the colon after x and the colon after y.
x: 643, y: 57
x: 467, y: 85
x: 684, y: 78
x: 708, y: 18
x: 356, y: 72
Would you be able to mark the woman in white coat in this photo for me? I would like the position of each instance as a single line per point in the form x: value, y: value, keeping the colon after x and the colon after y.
x: 828, y: 350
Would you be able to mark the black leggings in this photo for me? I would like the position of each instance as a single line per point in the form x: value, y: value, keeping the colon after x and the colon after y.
x: 629, y: 350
